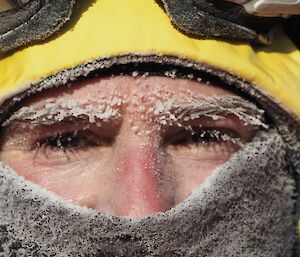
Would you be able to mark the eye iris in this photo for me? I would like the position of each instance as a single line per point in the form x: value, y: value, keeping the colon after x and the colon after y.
x: 212, y: 135
x: 205, y: 136
x: 64, y: 141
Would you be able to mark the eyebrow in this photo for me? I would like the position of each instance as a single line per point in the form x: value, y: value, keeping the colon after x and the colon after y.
x: 213, y: 107
x: 63, y: 110
x: 172, y: 111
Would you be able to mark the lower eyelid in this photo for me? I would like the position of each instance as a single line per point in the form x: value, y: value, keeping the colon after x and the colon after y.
x: 204, y: 153
x: 47, y: 157
x: 208, y: 146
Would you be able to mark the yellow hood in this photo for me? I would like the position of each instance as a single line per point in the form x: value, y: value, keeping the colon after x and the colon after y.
x: 113, y: 28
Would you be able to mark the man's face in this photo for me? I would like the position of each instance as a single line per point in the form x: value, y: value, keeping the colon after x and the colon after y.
x: 128, y: 146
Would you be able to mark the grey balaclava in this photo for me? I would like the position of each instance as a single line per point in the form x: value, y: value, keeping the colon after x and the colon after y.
x: 246, y: 207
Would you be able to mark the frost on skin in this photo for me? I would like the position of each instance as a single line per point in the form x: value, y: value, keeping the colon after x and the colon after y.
x: 216, y: 107
x: 154, y: 139
x: 166, y: 110
x: 163, y: 108
x: 58, y: 110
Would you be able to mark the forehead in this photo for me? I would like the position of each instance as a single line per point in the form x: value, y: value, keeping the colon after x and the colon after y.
x: 161, y: 88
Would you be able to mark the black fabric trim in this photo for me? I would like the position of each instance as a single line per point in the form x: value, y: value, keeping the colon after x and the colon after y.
x: 221, y: 19
x: 292, y: 28
x: 14, y: 18
x: 36, y: 21
x: 39, y: 19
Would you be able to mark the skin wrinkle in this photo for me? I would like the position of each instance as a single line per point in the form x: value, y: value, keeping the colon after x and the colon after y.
x: 205, y: 216
x: 183, y: 112
x: 151, y: 149
x: 165, y: 112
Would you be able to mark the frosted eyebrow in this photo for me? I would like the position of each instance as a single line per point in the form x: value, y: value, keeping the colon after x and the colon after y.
x: 214, y: 107
x: 167, y: 110
x: 58, y: 110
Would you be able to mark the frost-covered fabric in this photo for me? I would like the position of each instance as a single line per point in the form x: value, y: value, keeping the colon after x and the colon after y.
x: 37, y: 20
x: 220, y: 19
x: 244, y: 208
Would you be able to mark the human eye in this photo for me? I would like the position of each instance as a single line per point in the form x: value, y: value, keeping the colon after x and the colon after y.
x: 58, y: 144
x: 207, y: 136
x: 206, y: 144
x: 209, y: 140
x: 65, y: 143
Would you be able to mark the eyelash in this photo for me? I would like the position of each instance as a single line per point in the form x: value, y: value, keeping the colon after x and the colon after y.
x: 194, y: 136
x: 206, y: 135
x: 66, y: 141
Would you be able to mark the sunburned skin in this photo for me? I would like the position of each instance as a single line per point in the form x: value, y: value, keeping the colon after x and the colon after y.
x: 127, y: 146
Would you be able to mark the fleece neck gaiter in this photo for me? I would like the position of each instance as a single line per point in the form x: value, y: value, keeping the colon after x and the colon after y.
x: 244, y: 208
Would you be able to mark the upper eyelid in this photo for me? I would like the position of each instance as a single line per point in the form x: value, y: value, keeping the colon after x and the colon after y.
x: 59, y: 136
x: 85, y: 134
x: 221, y: 138
x: 67, y: 126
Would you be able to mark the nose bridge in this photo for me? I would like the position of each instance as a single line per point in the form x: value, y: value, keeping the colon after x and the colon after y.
x: 139, y: 167
x: 139, y: 181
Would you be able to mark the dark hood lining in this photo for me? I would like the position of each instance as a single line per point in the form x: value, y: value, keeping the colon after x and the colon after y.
x: 288, y: 126
x: 130, y: 65
x: 291, y: 27
x: 155, y: 65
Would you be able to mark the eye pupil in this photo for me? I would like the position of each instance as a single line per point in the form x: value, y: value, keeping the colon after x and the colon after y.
x: 64, y: 141
x: 204, y: 136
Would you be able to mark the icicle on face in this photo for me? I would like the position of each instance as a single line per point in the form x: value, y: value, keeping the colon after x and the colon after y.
x: 127, y: 146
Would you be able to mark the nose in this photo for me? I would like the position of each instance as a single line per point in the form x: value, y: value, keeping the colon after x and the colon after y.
x: 139, y: 168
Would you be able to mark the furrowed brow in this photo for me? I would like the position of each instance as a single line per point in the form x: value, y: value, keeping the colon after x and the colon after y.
x: 174, y: 110
x: 62, y: 110
x: 214, y: 107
